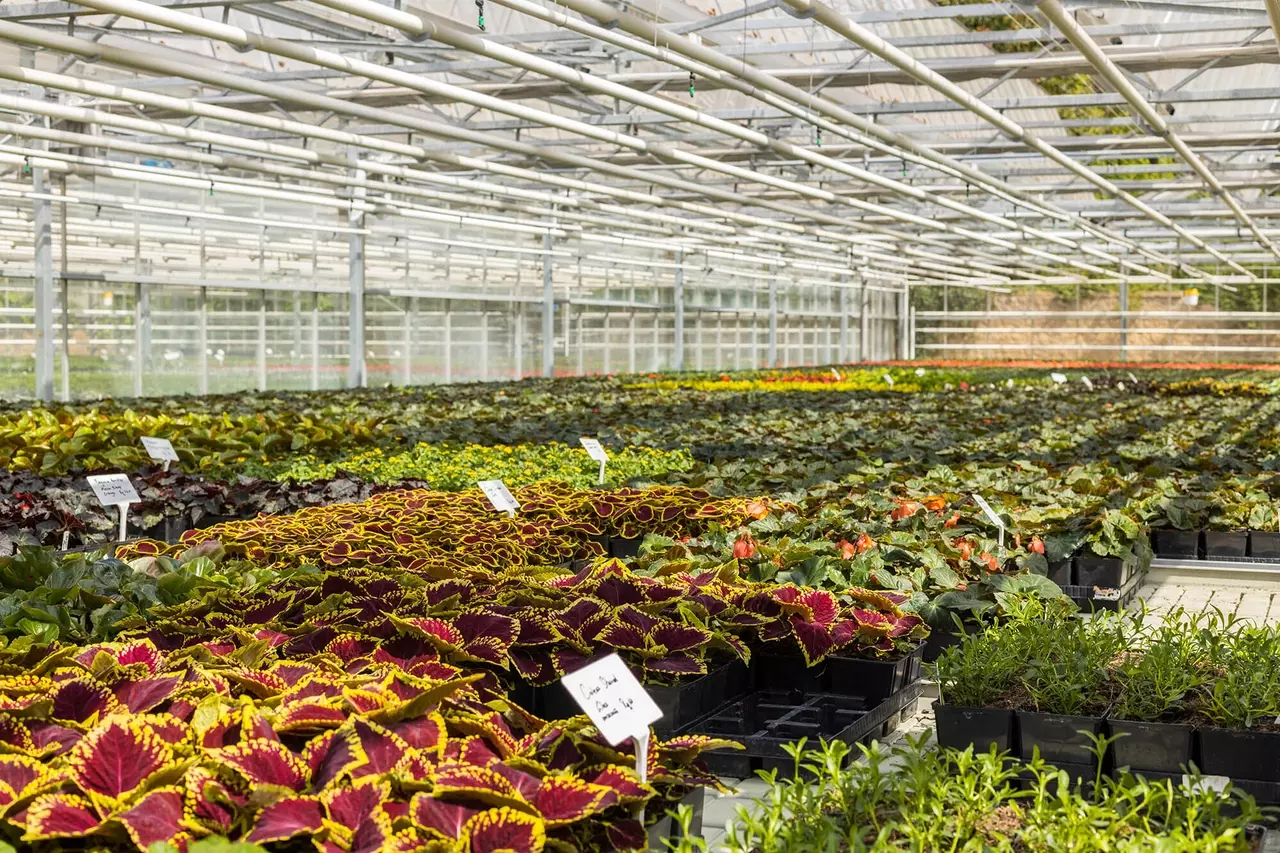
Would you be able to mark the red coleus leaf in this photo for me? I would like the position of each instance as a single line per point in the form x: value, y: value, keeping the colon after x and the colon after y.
x: 143, y: 694
x: 155, y: 818
x: 287, y: 818
x: 82, y: 701
x: 381, y: 749
x: 470, y: 784
x: 60, y: 816
x: 562, y: 800
x: 423, y: 733
x: 54, y: 738
x: 18, y: 771
x: 815, y: 641
x: 439, y: 817
x: 624, y: 783
x: 622, y: 636
x: 676, y: 637
x: 474, y: 626
x: 680, y: 663
x: 309, y: 717
x: 117, y: 757
x: 211, y: 803
x: 351, y: 807
x: 263, y: 762
x: 504, y: 829
x: 626, y: 834
x: 439, y: 632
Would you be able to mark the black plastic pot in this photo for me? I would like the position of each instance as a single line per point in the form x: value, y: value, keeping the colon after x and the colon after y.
x: 781, y: 671
x: 1240, y: 753
x: 624, y: 548
x: 1264, y: 544
x: 1225, y: 544
x: 1059, y: 737
x: 1159, y: 747
x: 1062, y: 572
x: 961, y: 728
x: 1176, y: 543
x: 873, y: 679
x: 1106, y: 572
x: 665, y: 827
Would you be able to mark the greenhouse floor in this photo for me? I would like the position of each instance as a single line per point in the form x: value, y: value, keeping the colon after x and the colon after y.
x: 1251, y: 593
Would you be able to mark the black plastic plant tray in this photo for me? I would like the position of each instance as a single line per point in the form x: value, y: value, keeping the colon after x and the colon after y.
x: 766, y: 721
x: 1087, y: 599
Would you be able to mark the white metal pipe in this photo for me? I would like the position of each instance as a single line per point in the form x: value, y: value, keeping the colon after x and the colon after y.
x: 417, y: 27
x: 761, y: 85
x: 242, y: 38
x: 1053, y: 10
x: 869, y: 41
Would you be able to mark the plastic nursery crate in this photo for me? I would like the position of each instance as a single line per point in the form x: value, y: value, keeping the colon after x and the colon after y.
x: 1088, y: 598
x: 765, y: 721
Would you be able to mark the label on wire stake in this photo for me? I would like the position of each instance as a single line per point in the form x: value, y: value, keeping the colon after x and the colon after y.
x: 594, y: 449
x: 499, y: 495
x: 113, y: 489
x: 610, y: 695
x: 159, y: 449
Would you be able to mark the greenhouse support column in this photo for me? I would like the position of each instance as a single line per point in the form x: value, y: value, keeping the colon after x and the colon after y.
x: 410, y: 320
x: 843, y: 356
x: 262, y: 340
x: 140, y: 320
x: 904, y: 324
x: 864, y: 321
x: 773, y: 323
x: 448, y: 343
x: 519, y: 340
x: 548, y: 310
x: 356, y: 377
x: 66, y: 295
x: 42, y: 221
x: 202, y: 340
x: 1124, y: 319
x: 315, y: 341
x: 677, y: 356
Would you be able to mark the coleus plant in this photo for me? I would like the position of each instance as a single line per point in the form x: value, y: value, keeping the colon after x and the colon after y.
x: 124, y: 745
x: 816, y: 623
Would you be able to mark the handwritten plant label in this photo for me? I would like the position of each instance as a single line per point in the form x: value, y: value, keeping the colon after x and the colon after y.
x: 889, y: 380
x: 836, y: 374
x: 610, y: 695
x: 1132, y: 377
x: 500, y: 496
x: 113, y: 489
x: 594, y: 450
x: 1087, y: 383
x: 988, y: 511
x: 160, y: 449
x: 1058, y: 378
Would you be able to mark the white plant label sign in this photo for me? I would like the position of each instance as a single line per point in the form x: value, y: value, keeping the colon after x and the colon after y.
x: 500, y: 496
x: 115, y: 490
x: 1134, y: 378
x: 160, y: 449
x: 836, y: 374
x: 596, y: 452
x: 1087, y: 383
x: 888, y: 379
x: 1058, y: 378
x: 991, y: 515
x: 614, y: 699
